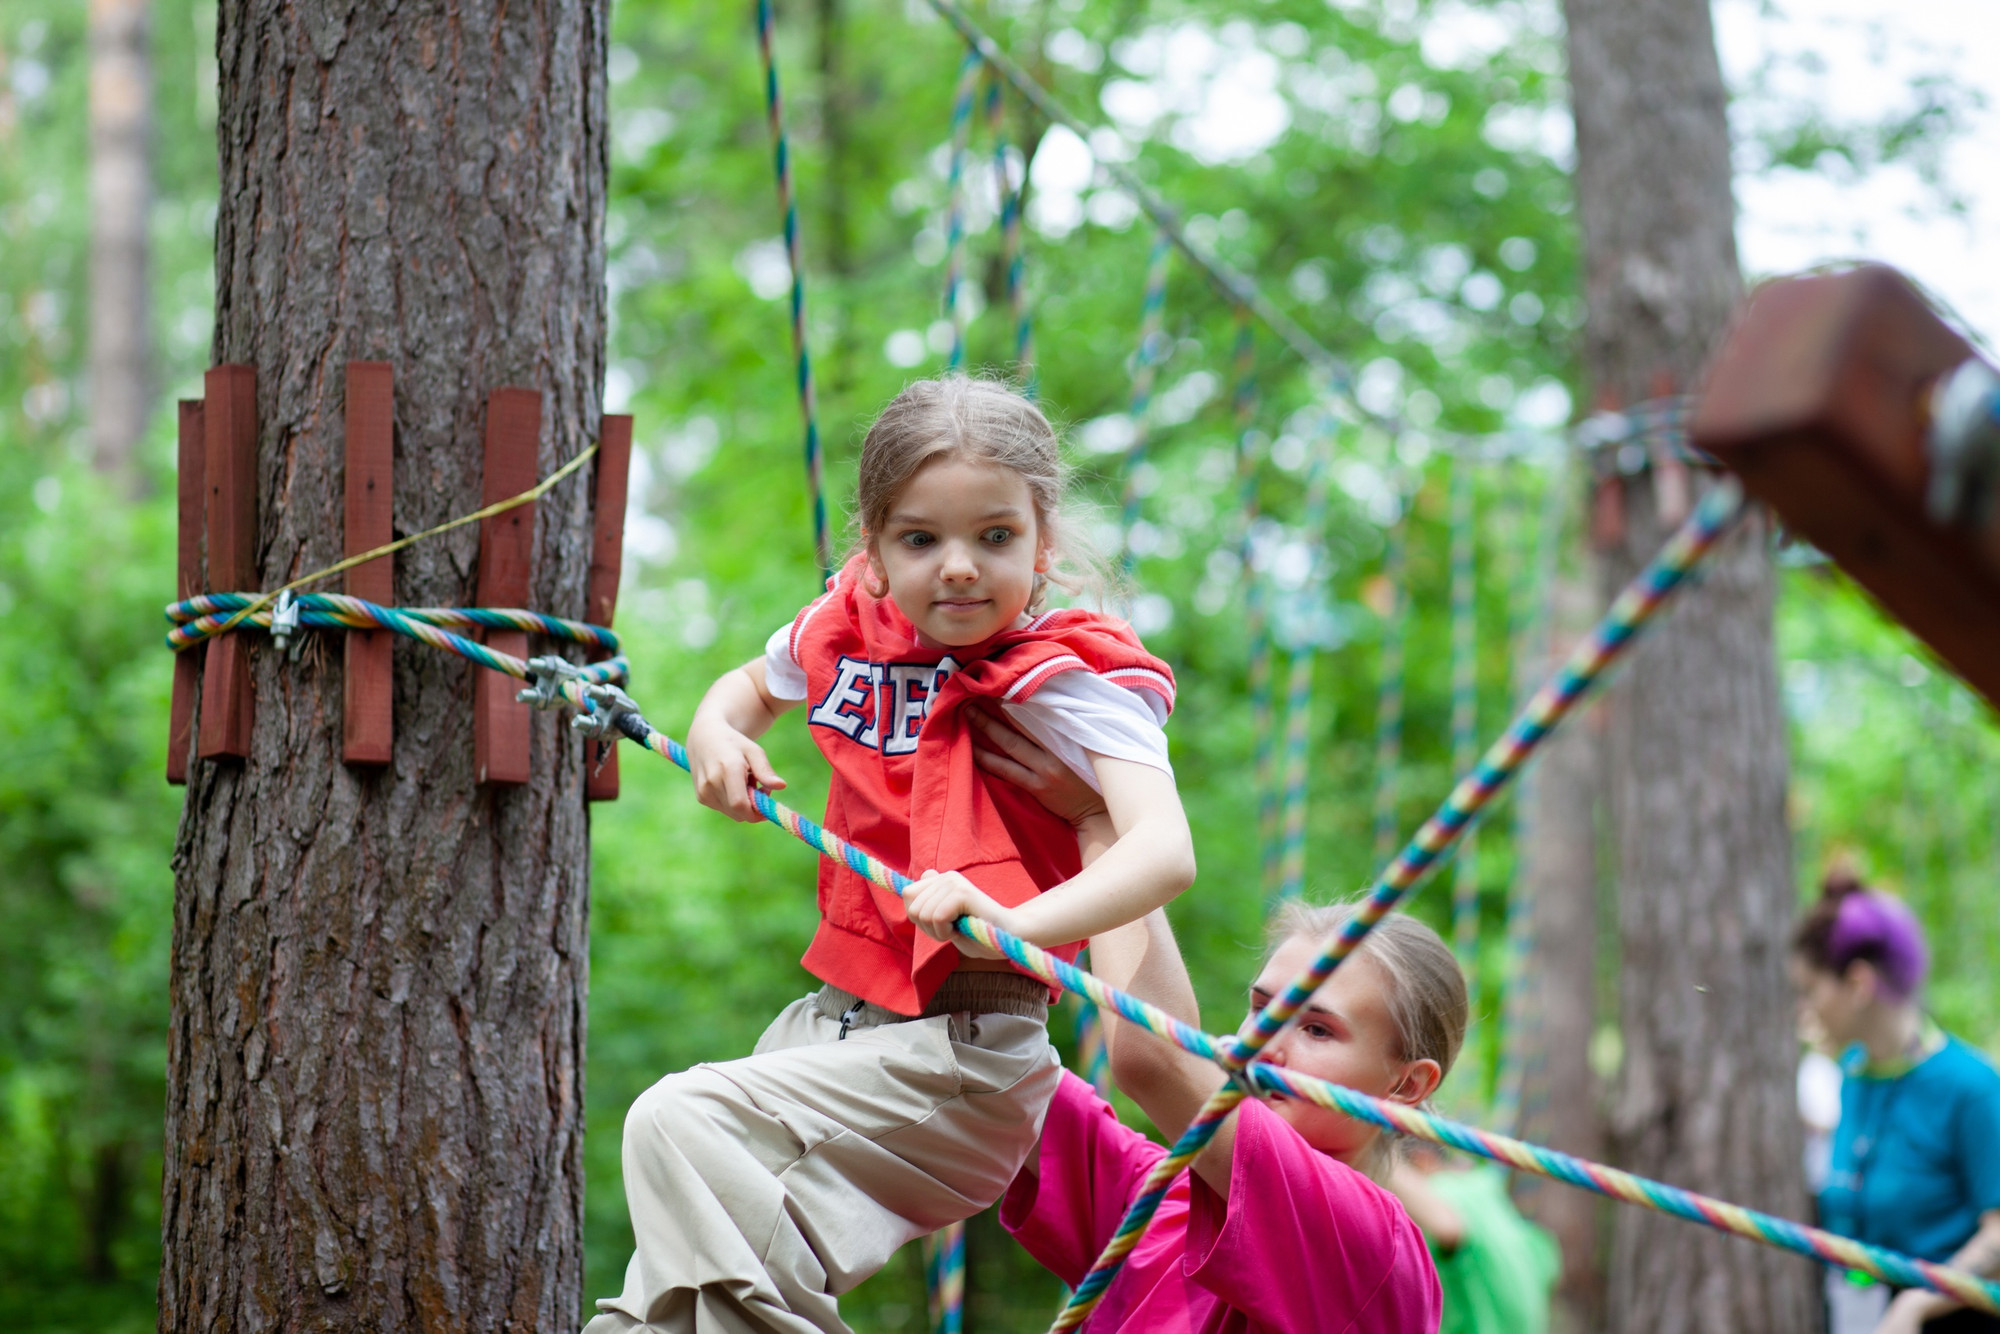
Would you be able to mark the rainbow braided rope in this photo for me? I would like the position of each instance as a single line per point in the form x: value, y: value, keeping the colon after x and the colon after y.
x: 1146, y: 361
x: 1389, y: 696
x: 1901, y: 1270
x: 1298, y: 693
x: 1634, y: 608
x: 944, y: 1276
x: 954, y: 229
x: 1012, y: 255
x: 788, y: 204
x: 1464, y: 751
x: 210, y: 614
x: 1256, y: 618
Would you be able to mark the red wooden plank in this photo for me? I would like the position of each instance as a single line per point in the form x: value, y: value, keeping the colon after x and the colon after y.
x: 191, y: 484
x: 229, y: 463
x: 1819, y: 401
x: 607, y: 560
x: 500, y: 724
x: 368, y: 724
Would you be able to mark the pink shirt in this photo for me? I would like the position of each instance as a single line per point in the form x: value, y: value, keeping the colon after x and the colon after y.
x: 1303, y: 1245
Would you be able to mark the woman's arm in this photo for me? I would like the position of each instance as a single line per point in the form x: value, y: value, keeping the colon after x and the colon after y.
x: 1151, y: 861
x: 1981, y: 1255
x: 723, y: 754
x: 1169, y: 1084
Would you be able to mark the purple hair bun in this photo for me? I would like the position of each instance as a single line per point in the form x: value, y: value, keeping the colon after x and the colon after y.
x: 1881, y: 930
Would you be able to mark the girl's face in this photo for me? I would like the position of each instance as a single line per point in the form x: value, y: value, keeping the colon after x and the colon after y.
x: 1344, y: 1035
x: 1835, y: 1004
x: 960, y: 550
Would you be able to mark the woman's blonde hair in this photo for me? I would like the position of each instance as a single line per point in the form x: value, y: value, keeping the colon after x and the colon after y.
x: 1427, y: 997
x: 986, y: 421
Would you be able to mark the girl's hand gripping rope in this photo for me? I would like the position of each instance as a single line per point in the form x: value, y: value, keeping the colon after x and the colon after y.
x: 938, y: 899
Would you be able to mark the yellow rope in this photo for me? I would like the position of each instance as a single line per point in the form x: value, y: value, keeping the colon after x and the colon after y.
x: 535, y: 492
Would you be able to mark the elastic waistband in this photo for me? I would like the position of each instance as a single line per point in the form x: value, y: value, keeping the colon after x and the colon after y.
x: 967, y: 991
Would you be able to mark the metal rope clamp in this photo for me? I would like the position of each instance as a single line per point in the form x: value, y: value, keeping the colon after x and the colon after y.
x: 545, y: 681
x: 1964, y: 446
x: 608, y: 707
x: 285, y: 625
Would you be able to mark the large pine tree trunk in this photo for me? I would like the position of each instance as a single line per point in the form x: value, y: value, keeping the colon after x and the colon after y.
x: 121, y: 198
x: 1696, y: 743
x: 374, y: 1111
x: 1560, y: 1099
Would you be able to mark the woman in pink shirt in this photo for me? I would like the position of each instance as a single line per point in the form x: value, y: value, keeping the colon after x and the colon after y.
x: 1282, y: 1225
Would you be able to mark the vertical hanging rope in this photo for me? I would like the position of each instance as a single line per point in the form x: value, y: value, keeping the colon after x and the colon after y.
x: 1528, y: 617
x: 1092, y: 1059
x: 1389, y: 697
x: 954, y: 231
x: 1011, y: 253
x: 1145, y: 367
x: 1298, y: 726
x: 944, y: 1277
x: 1256, y: 618
x: 1309, y: 633
x: 788, y: 204
x: 1464, y: 751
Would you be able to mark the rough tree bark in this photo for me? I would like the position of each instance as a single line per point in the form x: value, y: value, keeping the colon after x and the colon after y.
x: 121, y: 196
x: 1560, y: 1100
x: 374, y: 1114
x: 1696, y: 741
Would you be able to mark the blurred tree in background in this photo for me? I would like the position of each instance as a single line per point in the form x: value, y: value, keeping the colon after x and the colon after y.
x: 1396, y: 173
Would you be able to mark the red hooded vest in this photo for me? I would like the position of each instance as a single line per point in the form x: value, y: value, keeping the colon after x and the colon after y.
x: 889, y: 715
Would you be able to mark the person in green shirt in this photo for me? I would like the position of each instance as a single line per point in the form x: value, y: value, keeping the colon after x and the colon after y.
x: 1496, y: 1268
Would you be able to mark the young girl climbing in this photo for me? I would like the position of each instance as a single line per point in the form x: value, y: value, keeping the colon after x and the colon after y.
x: 1282, y: 1225
x: 906, y: 1091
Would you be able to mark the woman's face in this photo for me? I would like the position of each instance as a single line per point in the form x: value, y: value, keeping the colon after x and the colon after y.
x: 1834, y: 1004
x: 960, y: 550
x: 1344, y: 1035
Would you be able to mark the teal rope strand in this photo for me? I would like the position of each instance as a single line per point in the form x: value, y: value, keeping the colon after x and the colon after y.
x: 954, y: 267
x: 781, y: 157
x: 1389, y: 696
x: 1145, y: 366
x: 1464, y: 753
x: 1012, y: 254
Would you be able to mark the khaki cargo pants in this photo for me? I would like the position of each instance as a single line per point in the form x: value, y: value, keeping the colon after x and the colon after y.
x: 762, y: 1188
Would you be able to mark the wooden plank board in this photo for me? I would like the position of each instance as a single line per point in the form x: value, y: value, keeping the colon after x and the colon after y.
x: 607, y: 562
x: 500, y: 723
x: 1819, y: 401
x: 191, y: 487
x: 229, y: 464
x: 368, y: 723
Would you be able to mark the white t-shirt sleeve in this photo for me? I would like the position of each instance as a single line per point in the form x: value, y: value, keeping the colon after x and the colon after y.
x: 783, y: 677
x: 1078, y: 713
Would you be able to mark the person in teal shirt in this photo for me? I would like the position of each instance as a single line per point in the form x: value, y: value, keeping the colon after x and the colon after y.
x: 1496, y: 1269
x: 1916, y: 1156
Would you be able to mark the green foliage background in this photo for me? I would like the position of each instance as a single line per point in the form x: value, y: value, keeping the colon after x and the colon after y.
x: 1406, y: 216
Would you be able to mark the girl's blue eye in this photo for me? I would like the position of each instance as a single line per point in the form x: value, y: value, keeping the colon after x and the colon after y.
x: 917, y: 539
x: 999, y: 536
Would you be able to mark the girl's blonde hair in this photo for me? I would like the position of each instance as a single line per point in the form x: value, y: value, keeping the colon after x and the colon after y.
x: 1426, y: 989
x: 986, y: 421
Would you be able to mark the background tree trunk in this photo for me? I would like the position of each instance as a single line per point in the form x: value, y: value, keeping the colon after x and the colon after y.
x: 1560, y: 1100
x: 121, y: 198
x: 1696, y: 741
x: 374, y: 1112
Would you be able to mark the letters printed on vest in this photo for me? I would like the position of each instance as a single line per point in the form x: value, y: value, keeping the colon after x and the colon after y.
x: 881, y: 706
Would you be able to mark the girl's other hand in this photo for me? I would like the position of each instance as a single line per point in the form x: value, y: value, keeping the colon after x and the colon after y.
x: 723, y: 762
x: 940, y: 898
x: 1005, y: 752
